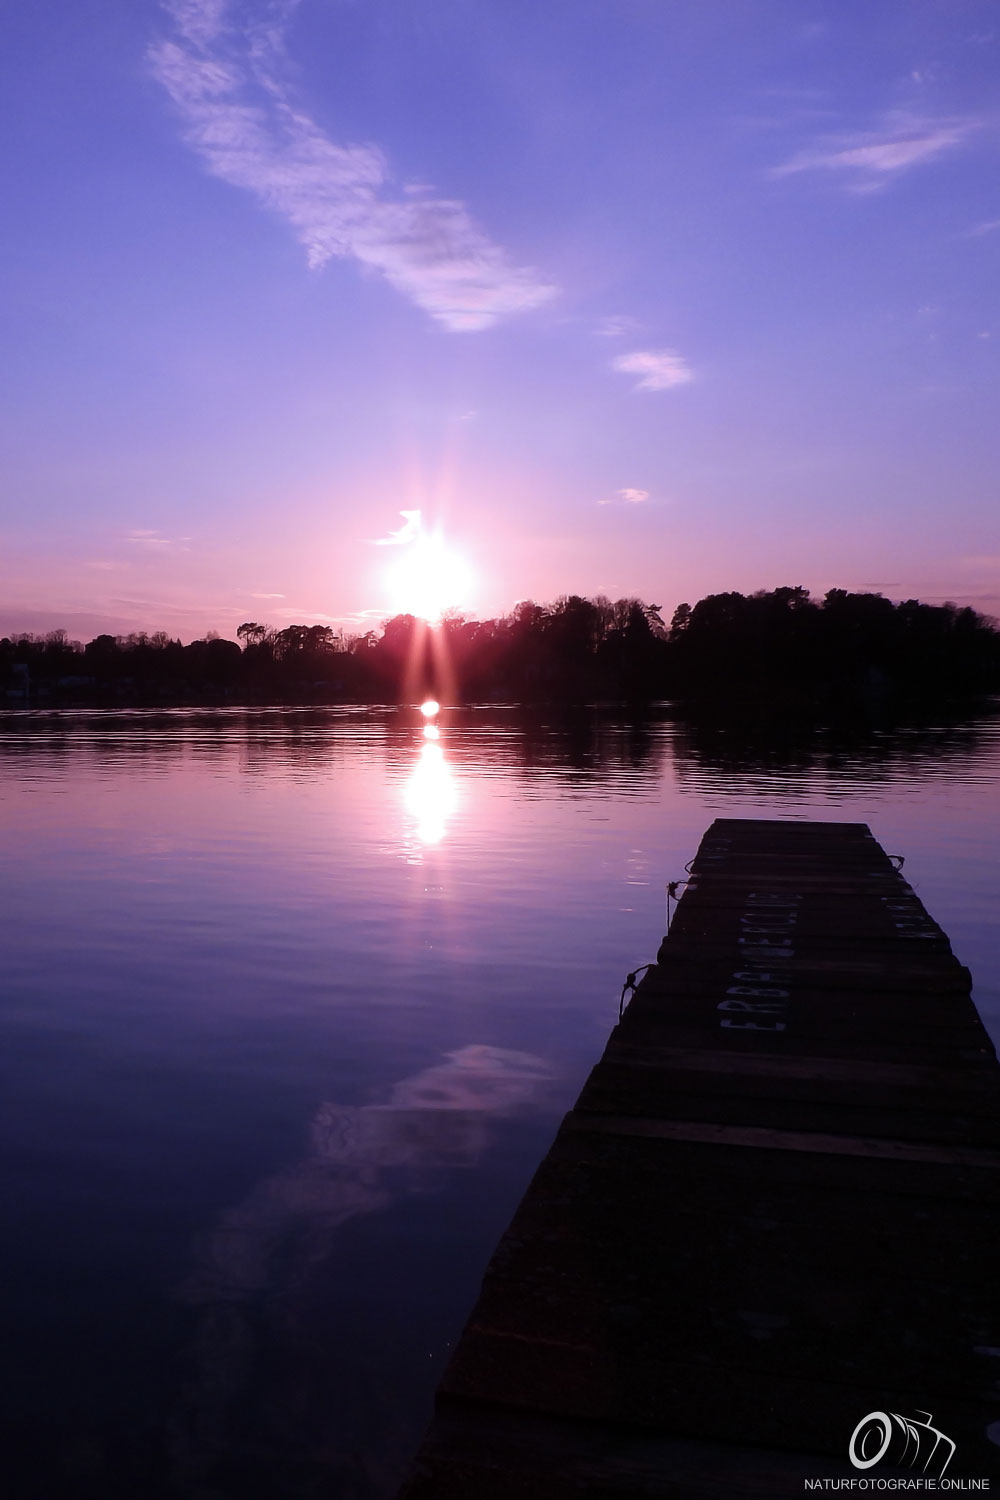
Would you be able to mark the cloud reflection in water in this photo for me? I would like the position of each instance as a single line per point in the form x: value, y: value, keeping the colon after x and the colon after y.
x: 266, y: 1351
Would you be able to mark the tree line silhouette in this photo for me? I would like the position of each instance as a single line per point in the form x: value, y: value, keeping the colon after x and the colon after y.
x: 778, y: 647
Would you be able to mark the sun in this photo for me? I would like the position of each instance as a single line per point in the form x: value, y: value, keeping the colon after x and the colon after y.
x: 428, y: 578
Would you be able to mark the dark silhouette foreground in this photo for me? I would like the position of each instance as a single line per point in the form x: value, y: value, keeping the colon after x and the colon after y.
x: 780, y: 648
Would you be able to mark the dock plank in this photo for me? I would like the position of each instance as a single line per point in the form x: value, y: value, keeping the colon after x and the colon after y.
x: 774, y: 1208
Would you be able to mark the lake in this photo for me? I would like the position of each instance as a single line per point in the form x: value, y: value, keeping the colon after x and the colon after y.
x: 293, y: 1001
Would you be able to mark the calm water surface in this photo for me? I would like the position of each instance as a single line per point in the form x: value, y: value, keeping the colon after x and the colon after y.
x: 292, y: 1004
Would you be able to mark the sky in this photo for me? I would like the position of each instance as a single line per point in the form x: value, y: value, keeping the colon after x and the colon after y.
x: 630, y: 297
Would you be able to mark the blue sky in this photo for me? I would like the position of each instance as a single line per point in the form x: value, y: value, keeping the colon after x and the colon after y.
x: 624, y: 296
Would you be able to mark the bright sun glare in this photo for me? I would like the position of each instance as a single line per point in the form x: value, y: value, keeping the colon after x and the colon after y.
x: 427, y: 579
x: 430, y: 794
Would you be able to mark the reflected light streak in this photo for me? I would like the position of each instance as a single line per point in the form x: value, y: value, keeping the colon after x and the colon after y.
x: 431, y: 796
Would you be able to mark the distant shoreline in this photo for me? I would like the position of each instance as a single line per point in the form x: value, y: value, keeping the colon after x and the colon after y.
x: 777, y: 651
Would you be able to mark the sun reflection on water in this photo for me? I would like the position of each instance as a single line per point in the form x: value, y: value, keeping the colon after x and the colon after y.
x: 431, y: 795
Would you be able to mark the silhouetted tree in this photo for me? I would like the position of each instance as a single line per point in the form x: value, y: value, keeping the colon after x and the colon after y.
x: 679, y: 621
x: 250, y: 633
x: 775, y: 647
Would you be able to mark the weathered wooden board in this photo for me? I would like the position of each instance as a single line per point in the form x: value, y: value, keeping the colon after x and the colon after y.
x: 774, y: 1209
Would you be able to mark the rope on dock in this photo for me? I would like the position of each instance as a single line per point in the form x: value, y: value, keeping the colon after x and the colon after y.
x: 631, y: 980
x: 673, y: 886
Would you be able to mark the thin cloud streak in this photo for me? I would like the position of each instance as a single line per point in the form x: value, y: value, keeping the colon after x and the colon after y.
x: 616, y: 328
x: 152, y: 541
x: 407, y: 533
x: 658, y: 369
x: 873, y: 158
x: 626, y: 496
x: 239, y: 116
x: 302, y: 614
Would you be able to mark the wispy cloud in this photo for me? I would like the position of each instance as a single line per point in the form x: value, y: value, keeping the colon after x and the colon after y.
x: 301, y: 613
x: 199, y: 21
x: 616, y: 328
x: 224, y: 68
x: 658, y: 369
x: 989, y: 226
x: 626, y: 497
x: 406, y: 533
x: 154, y: 541
x: 872, y: 158
x: 267, y: 596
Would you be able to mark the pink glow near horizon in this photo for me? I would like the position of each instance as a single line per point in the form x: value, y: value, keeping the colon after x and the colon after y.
x: 740, y: 332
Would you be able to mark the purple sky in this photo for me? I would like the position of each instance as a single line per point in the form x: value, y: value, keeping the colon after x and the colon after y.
x: 624, y: 296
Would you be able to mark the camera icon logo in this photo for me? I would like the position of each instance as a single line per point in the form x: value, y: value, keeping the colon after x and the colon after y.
x: 903, y: 1441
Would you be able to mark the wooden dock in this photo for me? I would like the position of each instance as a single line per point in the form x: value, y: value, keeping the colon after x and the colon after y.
x: 773, y: 1210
